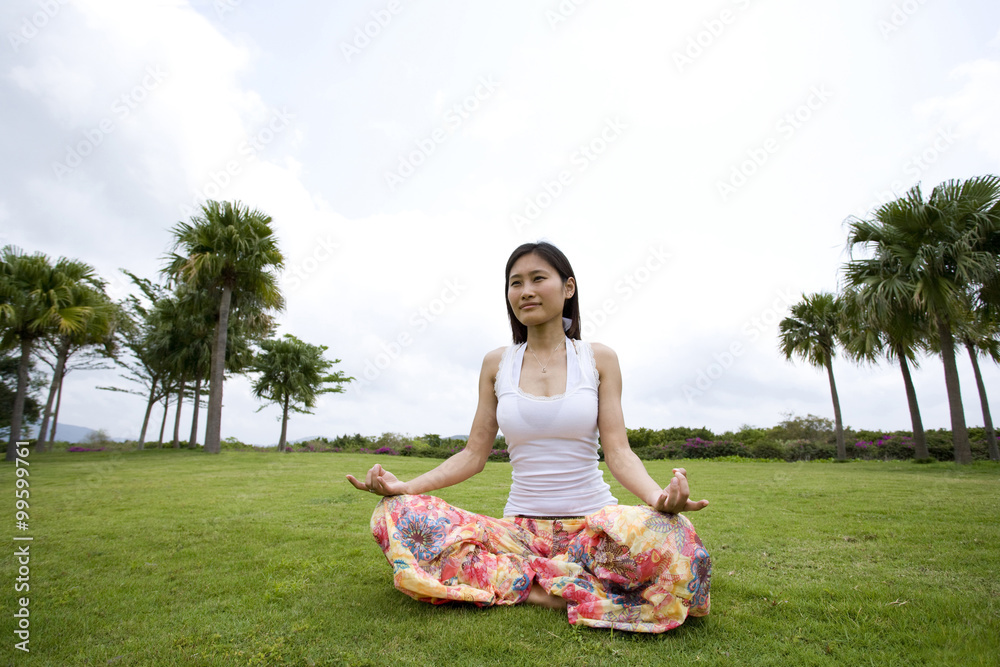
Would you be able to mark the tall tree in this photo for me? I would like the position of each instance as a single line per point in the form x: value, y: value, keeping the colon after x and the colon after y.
x: 291, y: 373
x: 939, y: 248
x: 9, y: 363
x: 35, y: 301
x: 79, y: 358
x: 172, y: 333
x: 810, y: 332
x: 878, y: 324
x: 231, y: 251
x: 98, y: 330
x: 147, y: 366
x: 198, y: 311
x: 980, y: 334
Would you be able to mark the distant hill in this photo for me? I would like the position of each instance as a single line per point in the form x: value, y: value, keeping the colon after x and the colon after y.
x: 457, y: 437
x: 68, y: 433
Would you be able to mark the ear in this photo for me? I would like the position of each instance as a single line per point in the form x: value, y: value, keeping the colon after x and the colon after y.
x: 569, y: 289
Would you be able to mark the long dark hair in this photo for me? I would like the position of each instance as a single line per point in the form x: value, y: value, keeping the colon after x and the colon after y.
x: 555, y: 257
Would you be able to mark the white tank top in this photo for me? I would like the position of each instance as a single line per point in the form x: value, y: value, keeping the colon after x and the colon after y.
x: 552, y: 440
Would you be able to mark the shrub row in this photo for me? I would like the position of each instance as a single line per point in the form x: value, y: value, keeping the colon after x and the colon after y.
x: 676, y: 443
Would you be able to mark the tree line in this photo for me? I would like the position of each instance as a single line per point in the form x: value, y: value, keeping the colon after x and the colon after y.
x: 213, y: 314
x: 927, y: 280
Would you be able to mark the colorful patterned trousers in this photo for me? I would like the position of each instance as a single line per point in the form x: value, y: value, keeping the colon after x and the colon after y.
x: 628, y: 568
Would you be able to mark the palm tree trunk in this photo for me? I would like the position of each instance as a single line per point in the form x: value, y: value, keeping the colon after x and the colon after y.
x: 213, y: 422
x: 177, y: 419
x: 919, y: 438
x: 19, y: 398
x: 841, y: 446
x: 193, y: 442
x: 284, y: 425
x: 62, y: 351
x: 959, y: 432
x: 55, y: 415
x: 166, y: 410
x: 149, y: 410
x: 991, y: 436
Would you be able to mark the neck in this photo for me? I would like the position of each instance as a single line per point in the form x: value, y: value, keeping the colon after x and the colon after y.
x: 545, y: 337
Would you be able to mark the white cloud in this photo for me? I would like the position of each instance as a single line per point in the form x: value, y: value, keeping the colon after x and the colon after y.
x: 975, y: 107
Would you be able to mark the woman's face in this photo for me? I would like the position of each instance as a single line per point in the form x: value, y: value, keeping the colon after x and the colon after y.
x: 535, y: 290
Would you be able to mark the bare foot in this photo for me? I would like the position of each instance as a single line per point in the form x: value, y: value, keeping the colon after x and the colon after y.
x: 537, y: 595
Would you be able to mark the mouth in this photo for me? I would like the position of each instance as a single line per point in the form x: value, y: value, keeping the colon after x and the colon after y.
x: 529, y: 306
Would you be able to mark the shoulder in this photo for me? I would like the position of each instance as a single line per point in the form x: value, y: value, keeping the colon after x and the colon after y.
x: 491, y: 362
x: 605, y: 363
x: 493, y: 356
x: 604, y: 356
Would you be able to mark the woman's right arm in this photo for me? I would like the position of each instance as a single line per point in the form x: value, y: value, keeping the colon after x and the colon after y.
x: 462, y: 465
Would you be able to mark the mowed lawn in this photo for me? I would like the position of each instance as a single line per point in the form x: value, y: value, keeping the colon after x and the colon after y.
x: 180, y: 558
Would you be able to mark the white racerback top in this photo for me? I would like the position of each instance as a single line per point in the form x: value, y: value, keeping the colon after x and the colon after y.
x: 552, y: 440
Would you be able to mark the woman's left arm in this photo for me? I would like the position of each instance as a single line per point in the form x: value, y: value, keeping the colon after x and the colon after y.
x: 622, y: 461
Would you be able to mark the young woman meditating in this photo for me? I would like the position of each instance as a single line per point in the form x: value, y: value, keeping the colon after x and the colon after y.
x: 564, y: 541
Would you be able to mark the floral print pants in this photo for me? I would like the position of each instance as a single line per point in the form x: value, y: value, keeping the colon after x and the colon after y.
x: 628, y: 568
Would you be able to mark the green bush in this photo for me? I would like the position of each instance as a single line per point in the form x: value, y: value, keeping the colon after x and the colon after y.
x: 234, y: 444
x: 804, y: 450
x: 883, y: 448
x: 766, y: 449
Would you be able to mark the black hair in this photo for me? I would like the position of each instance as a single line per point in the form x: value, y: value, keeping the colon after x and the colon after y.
x: 555, y: 257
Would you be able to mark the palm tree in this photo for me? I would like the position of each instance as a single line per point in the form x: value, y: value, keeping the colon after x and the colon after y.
x: 36, y: 300
x: 936, y: 251
x: 195, y: 361
x: 229, y: 251
x: 980, y: 334
x: 291, y: 372
x: 9, y: 363
x: 873, y: 329
x: 148, y: 369
x: 810, y: 332
x: 98, y: 329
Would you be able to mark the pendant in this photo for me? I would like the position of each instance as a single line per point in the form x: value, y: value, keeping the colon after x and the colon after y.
x: 544, y: 371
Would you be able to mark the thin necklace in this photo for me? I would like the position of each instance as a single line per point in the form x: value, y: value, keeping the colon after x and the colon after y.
x: 550, y: 355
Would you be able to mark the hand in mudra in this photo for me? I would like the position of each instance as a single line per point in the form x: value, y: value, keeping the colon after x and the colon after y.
x: 674, y: 498
x: 379, y: 480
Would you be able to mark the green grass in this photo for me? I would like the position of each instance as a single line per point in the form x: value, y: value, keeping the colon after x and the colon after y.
x: 180, y: 558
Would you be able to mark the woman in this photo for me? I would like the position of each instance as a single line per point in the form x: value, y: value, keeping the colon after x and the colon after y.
x: 564, y: 542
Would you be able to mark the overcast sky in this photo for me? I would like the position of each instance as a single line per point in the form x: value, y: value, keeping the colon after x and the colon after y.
x: 696, y: 162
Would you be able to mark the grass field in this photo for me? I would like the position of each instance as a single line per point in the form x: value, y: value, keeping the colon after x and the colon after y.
x: 179, y: 558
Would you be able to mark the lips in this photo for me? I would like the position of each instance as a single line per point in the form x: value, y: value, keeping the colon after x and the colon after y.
x: 529, y: 306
